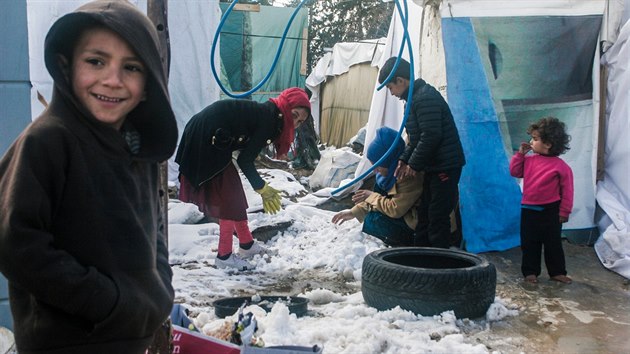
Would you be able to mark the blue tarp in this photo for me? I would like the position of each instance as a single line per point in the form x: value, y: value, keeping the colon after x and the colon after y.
x: 503, y: 74
x: 489, y: 198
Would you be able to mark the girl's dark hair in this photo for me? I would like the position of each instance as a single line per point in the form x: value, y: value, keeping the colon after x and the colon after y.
x: 552, y: 131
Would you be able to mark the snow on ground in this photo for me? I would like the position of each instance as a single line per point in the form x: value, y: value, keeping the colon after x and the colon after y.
x: 315, y: 259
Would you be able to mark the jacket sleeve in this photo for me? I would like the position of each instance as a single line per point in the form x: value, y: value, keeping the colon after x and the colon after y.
x: 32, y: 180
x: 426, y: 133
x: 517, y: 165
x: 360, y: 211
x: 260, y: 130
x: 400, y: 199
x: 247, y: 157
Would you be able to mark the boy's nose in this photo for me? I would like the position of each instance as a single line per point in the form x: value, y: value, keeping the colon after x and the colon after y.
x: 113, y: 77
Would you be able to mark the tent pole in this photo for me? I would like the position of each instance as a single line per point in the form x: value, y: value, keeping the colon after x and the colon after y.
x: 157, y: 12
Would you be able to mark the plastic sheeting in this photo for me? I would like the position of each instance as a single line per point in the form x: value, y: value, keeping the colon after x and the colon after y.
x: 249, y: 42
x: 338, y: 62
x: 613, y: 192
x: 346, y: 104
x: 511, y: 79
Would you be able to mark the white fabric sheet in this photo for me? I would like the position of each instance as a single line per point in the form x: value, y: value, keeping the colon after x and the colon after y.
x: 338, y: 62
x: 613, y: 193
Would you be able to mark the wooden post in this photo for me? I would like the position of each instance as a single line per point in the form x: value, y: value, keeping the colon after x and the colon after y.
x: 157, y: 12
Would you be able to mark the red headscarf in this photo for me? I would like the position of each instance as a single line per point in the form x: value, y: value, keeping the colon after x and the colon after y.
x: 287, y: 100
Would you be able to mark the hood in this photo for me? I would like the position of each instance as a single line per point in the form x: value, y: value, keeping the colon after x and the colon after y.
x: 153, y: 118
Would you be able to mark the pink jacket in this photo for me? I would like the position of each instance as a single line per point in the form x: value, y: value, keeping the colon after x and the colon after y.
x: 546, y: 179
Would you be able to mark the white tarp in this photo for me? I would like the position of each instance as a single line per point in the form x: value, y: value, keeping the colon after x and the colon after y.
x: 613, y: 192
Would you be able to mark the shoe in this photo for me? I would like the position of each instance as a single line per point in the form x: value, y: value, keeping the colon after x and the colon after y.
x: 252, y: 251
x: 233, y: 261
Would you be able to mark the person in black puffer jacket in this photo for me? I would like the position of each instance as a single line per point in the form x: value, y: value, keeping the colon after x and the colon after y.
x: 434, y: 147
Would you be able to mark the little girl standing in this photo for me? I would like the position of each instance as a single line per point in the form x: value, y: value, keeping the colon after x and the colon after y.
x: 547, y: 198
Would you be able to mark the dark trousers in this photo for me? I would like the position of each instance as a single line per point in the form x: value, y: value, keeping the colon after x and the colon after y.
x: 439, y: 197
x: 542, y: 230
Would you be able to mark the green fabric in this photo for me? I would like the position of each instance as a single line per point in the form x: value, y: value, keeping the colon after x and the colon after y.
x: 247, y: 59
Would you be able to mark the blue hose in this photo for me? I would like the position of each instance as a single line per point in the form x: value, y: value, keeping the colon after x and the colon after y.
x: 403, y: 16
x: 275, y: 59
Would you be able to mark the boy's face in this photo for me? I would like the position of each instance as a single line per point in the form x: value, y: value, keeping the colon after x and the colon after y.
x: 397, y: 87
x: 107, y: 76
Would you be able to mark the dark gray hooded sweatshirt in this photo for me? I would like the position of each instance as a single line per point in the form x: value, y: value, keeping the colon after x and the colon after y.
x: 82, y: 240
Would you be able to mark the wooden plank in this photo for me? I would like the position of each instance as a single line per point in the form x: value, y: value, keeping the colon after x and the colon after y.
x: 247, y: 7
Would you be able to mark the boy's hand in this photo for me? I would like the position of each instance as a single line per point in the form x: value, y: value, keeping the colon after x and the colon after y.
x: 360, y: 195
x: 563, y: 219
x: 342, y: 216
x: 403, y: 170
x: 524, y: 148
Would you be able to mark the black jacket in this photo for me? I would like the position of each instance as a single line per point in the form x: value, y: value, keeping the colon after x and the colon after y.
x: 225, y: 126
x: 82, y: 241
x: 434, y: 143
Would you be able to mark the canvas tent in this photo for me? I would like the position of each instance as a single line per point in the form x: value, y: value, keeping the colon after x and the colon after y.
x: 501, y: 65
x: 341, y: 86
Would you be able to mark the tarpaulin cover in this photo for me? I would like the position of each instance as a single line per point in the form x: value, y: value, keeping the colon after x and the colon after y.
x: 249, y: 42
x: 503, y: 74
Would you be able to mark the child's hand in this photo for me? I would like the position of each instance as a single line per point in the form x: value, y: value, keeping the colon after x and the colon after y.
x: 403, y: 170
x: 342, y: 216
x: 563, y: 219
x: 360, y: 195
x: 524, y: 148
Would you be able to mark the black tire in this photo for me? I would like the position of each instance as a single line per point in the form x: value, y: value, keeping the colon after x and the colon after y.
x: 428, y: 281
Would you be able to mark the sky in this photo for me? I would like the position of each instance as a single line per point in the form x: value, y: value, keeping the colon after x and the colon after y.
x: 315, y: 259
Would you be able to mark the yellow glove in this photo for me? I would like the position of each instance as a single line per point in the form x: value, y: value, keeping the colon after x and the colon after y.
x: 271, y: 199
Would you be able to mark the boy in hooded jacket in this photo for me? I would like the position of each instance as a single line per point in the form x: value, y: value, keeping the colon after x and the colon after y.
x: 82, y: 240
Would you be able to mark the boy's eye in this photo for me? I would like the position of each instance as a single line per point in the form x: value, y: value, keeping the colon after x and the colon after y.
x: 93, y: 61
x: 134, y: 67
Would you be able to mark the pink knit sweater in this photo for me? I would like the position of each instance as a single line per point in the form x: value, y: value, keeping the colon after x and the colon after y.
x: 546, y: 179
